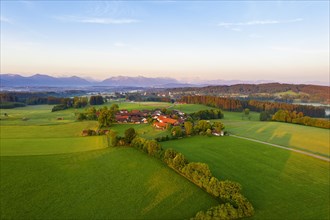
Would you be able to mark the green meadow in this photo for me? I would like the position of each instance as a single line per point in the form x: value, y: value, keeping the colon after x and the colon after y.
x: 49, y: 171
x: 110, y: 183
x: 310, y: 139
x: 280, y: 184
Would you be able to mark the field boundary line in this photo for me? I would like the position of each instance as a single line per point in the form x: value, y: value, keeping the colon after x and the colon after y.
x: 285, y: 148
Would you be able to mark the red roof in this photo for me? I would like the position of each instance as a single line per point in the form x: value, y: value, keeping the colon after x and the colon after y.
x: 170, y: 120
x: 160, y: 125
x: 121, y: 117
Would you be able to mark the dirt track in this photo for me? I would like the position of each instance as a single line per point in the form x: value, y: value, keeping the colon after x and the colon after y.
x: 286, y: 148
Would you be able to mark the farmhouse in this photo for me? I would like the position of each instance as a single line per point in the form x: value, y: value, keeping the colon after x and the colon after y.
x: 165, y: 119
x: 122, y: 118
x: 160, y: 125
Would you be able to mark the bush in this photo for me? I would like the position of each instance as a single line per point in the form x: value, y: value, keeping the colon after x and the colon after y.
x: 59, y: 107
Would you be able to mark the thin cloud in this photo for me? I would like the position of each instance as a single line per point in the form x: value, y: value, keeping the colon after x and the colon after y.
x: 120, y: 44
x: 5, y: 20
x: 97, y: 20
x: 258, y: 22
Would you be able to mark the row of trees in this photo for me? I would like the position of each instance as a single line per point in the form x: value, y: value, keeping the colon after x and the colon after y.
x: 223, y: 103
x: 235, y: 204
x: 207, y: 114
x: 273, y: 107
x: 253, y: 105
x: 76, y: 102
x: 299, y: 118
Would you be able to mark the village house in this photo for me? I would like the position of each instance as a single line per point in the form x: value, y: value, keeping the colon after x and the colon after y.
x: 160, y: 125
x: 122, y: 118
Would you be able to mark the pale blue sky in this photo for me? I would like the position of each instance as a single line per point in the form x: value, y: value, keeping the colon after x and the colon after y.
x: 269, y: 40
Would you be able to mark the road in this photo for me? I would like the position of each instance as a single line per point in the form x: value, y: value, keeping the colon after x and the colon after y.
x: 285, y: 148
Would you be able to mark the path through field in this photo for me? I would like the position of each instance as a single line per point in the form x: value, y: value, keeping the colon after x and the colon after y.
x: 285, y: 148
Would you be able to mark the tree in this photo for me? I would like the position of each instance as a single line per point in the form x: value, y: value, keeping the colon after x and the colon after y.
x: 91, y: 113
x: 208, y: 132
x: 264, y: 116
x: 114, y: 138
x: 104, y: 118
x: 246, y: 111
x: 114, y: 108
x: 130, y: 134
x: 81, y: 117
x: 176, y: 131
x: 188, y: 127
x: 96, y: 100
x: 202, y: 126
x: 218, y: 126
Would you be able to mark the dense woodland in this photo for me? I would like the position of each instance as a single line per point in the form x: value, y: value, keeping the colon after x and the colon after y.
x: 229, y: 104
x: 307, y: 93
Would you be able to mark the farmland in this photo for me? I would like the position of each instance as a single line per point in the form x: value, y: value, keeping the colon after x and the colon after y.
x: 58, y: 165
x: 46, y: 165
x: 285, y: 134
x: 104, y: 184
x: 280, y: 184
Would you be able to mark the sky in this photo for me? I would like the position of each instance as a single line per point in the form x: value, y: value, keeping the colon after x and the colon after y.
x: 285, y: 41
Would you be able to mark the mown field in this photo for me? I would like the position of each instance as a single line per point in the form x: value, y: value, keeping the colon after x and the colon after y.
x: 280, y: 184
x: 112, y: 183
x: 310, y: 139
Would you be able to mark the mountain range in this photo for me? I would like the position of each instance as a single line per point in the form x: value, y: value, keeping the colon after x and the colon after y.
x: 42, y: 80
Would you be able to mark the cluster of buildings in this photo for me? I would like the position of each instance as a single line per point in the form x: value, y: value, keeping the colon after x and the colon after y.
x: 161, y: 120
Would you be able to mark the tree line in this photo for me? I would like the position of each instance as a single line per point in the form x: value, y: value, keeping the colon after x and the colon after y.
x: 229, y: 104
x: 76, y: 102
x: 233, y: 204
x: 299, y: 118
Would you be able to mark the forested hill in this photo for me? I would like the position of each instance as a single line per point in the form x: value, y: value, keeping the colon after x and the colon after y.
x: 309, y: 92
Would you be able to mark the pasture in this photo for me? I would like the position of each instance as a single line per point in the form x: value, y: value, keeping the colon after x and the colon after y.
x: 310, y: 139
x: 120, y: 183
x: 48, y: 171
x: 279, y: 183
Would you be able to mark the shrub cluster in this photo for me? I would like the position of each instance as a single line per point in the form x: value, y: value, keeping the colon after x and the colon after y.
x: 91, y: 132
x: 59, y: 107
x: 207, y: 114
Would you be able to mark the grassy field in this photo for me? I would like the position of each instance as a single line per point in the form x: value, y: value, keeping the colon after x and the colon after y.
x: 285, y: 134
x: 120, y: 183
x: 46, y: 175
x: 46, y: 165
x: 279, y: 183
x: 190, y: 108
x: 311, y: 139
